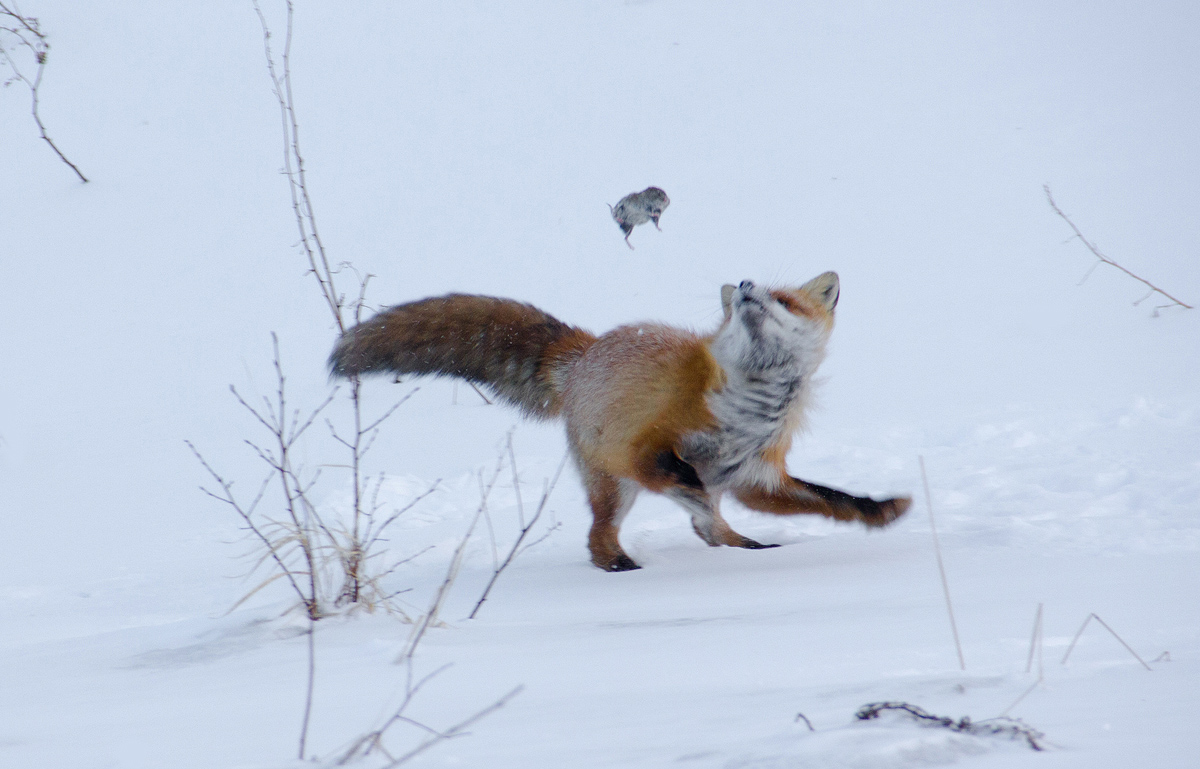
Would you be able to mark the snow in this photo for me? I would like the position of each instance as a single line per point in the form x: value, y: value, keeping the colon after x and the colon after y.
x: 474, y: 148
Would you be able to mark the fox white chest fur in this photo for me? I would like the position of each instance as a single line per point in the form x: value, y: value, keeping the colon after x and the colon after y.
x: 769, y: 356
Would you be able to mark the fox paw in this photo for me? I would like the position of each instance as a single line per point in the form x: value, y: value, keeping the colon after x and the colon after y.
x: 621, y: 563
x: 886, y: 511
x: 751, y: 544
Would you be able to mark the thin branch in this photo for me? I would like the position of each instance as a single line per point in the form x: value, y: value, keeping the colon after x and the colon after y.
x: 373, y: 537
x: 430, y: 616
x: 516, y: 548
x: 371, y: 741
x: 40, y: 48
x: 230, y: 500
x: 1096, y: 617
x: 351, y: 546
x: 1092, y: 269
x: 1096, y: 252
x: 455, y: 730
x: 312, y: 676
x: 403, y: 561
x: 487, y: 518
x: 389, y: 412
x: 281, y: 86
x: 545, y: 536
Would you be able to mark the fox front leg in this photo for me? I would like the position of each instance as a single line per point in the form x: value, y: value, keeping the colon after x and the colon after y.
x: 708, y: 523
x: 689, y: 491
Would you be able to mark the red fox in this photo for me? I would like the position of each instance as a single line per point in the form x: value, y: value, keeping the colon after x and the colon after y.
x: 646, y: 406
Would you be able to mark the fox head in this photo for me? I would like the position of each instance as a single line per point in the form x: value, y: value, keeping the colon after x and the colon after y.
x: 777, y: 327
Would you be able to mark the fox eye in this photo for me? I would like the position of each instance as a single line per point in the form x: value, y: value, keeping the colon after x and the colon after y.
x: 786, y: 301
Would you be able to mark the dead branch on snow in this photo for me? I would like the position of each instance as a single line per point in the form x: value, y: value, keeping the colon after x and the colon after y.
x: 1102, y: 259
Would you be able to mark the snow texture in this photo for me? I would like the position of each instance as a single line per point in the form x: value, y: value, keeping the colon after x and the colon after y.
x: 474, y: 148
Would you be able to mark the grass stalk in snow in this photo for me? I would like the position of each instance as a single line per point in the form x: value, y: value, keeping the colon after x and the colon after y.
x: 16, y: 32
x: 1035, y: 644
x: 937, y: 549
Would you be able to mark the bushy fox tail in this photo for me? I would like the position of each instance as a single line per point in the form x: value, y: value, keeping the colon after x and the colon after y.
x: 516, y: 350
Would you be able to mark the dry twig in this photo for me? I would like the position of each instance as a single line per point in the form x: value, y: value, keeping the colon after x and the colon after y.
x: 1009, y: 727
x: 1105, y: 260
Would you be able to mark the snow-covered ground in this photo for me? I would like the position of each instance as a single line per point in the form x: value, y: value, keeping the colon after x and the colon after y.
x: 474, y: 148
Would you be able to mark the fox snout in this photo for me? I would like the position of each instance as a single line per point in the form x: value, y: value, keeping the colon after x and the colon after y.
x: 748, y: 293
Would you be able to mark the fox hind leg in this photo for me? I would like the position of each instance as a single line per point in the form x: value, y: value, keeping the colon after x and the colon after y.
x: 610, y: 499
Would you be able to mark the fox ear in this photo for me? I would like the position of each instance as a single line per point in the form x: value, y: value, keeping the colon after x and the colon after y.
x: 825, y: 288
x: 727, y: 300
